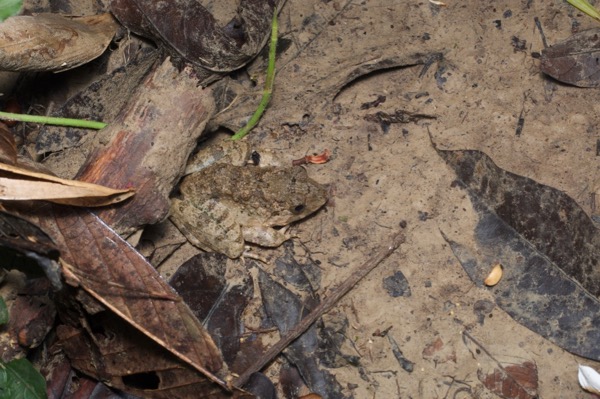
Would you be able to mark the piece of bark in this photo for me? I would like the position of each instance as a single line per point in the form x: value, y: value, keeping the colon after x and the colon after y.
x: 149, y: 144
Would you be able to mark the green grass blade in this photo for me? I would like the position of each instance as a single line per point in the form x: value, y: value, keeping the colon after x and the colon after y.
x: 49, y: 120
x: 266, y: 97
x: 586, y: 7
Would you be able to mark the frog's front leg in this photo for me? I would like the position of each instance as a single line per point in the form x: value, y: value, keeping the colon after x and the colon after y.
x: 265, y: 236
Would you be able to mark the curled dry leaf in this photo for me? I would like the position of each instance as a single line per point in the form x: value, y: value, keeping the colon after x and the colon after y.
x: 495, y: 275
x: 589, y: 379
x: 316, y: 159
x: 50, y: 42
x: 23, y: 184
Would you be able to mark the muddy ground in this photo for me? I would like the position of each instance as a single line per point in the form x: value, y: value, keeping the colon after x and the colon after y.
x: 485, y: 81
x: 378, y: 179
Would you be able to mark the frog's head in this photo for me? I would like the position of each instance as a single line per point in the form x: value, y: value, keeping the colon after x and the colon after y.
x: 299, y: 197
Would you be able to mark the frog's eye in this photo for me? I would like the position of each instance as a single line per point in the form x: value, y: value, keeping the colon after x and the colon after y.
x: 298, y: 209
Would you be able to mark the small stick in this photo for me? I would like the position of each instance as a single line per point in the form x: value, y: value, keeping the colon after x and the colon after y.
x: 326, y: 305
x: 538, y: 24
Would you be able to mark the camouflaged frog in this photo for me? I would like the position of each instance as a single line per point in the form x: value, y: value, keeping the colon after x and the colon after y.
x: 224, y: 206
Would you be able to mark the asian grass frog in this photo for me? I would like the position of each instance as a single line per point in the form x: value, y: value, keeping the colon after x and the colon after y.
x: 223, y: 206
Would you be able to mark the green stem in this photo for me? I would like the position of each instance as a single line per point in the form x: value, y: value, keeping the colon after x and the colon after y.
x: 49, y: 120
x: 266, y: 97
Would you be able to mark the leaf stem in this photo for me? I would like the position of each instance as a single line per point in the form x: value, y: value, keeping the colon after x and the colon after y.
x: 49, y: 120
x: 266, y: 97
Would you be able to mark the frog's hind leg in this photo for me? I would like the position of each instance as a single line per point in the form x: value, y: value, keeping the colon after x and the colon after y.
x: 209, y: 226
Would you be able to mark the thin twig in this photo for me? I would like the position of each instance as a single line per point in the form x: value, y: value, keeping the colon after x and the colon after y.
x: 325, y: 306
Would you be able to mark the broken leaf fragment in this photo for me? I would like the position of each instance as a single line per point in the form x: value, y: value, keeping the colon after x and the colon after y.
x: 506, y: 375
x: 574, y: 60
x: 51, y: 42
x: 218, y: 45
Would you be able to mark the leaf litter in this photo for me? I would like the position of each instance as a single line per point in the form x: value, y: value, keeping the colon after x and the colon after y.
x: 363, y: 173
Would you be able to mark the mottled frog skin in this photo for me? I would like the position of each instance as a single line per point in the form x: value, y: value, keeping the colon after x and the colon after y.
x: 224, y: 206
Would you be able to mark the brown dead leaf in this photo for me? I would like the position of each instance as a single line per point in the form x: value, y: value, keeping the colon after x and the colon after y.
x: 506, y: 379
x: 8, y: 147
x: 24, y: 184
x: 131, y: 361
x: 32, y: 313
x: 106, y: 267
x: 51, y: 42
x: 217, y: 45
x: 574, y: 60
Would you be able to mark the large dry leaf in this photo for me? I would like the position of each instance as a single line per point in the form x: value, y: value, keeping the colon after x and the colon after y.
x: 509, y: 378
x: 548, y: 246
x: 575, y: 60
x: 50, y: 42
x: 106, y: 267
x: 191, y: 31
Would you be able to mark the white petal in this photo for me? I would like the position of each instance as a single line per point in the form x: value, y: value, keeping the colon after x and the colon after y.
x: 589, y: 379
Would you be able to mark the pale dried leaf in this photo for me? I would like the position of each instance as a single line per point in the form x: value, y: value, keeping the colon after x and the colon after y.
x: 589, y: 379
x: 51, y: 42
x: 17, y: 189
x: 31, y: 185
